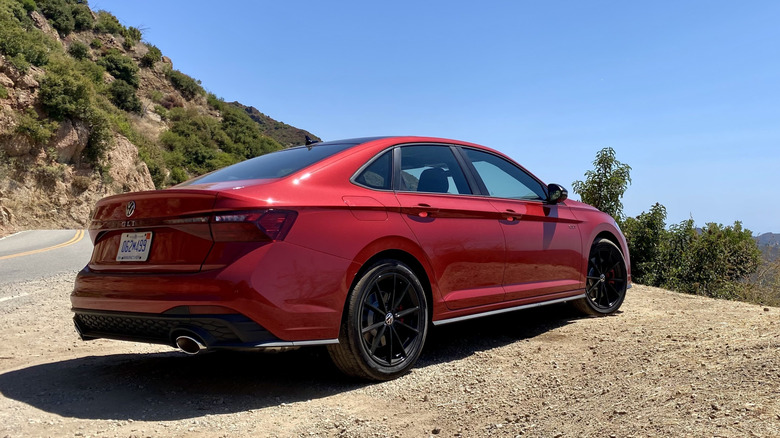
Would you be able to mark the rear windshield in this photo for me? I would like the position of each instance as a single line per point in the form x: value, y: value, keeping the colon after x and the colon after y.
x: 274, y: 165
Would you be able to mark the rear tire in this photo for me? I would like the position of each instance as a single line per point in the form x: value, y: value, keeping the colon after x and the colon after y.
x: 606, y: 280
x: 385, y: 324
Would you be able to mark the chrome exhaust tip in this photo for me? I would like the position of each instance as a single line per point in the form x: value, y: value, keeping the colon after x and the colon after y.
x: 189, y: 345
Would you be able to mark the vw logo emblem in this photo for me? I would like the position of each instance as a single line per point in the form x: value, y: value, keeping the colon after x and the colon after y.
x: 130, y: 208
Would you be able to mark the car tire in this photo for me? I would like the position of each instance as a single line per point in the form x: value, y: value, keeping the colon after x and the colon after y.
x: 606, y: 280
x: 385, y: 324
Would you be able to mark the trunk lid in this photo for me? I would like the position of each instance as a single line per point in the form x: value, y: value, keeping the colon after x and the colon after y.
x: 174, y: 224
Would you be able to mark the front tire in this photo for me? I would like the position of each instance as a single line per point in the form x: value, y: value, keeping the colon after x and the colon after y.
x: 607, y: 280
x: 385, y: 324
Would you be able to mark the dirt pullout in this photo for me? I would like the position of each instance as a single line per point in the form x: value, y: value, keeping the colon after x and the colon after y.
x: 666, y: 365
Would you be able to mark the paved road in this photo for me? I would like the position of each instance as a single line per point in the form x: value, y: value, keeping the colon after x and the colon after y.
x: 37, y: 254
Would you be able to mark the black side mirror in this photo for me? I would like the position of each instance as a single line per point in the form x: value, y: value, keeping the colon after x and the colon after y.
x: 556, y: 193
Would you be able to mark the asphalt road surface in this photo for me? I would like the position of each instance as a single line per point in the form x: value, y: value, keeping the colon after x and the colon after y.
x: 36, y: 254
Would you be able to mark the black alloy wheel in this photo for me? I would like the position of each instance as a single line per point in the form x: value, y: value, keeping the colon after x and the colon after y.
x: 385, y: 324
x: 607, y: 280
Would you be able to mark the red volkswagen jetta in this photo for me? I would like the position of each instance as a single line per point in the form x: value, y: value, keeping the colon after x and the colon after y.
x: 357, y: 244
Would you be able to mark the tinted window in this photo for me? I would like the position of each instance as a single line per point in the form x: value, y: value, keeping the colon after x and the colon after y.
x: 431, y: 169
x: 503, y: 179
x: 274, y: 165
x: 378, y: 174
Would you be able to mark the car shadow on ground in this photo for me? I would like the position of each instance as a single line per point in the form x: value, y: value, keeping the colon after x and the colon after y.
x: 173, y: 386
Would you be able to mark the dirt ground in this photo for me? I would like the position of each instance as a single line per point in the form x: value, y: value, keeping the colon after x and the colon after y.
x: 665, y: 365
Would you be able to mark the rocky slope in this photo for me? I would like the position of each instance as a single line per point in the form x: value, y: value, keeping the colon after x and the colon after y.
x: 122, y: 121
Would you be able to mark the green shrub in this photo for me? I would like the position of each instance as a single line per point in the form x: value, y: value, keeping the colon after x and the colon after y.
x: 19, y: 62
x: 28, y: 5
x: 178, y: 175
x: 82, y: 16
x: 132, y: 33
x: 96, y: 43
x: 91, y: 71
x: 59, y: 14
x: 124, y: 97
x: 99, y: 136
x: 161, y: 111
x: 120, y: 66
x: 39, y: 131
x: 20, y: 41
x: 108, y: 23
x: 187, y: 86
x: 155, y: 95
x: 3, y: 92
x: 64, y: 92
x: 151, y: 57
x: 78, y: 50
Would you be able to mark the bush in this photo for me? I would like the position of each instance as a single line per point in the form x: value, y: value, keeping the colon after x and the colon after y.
x: 82, y: 17
x: 59, y: 14
x: 81, y: 183
x: 161, y: 111
x: 78, y: 50
x: 124, y: 97
x: 155, y: 95
x: 21, y: 42
x: 65, y: 92
x: 713, y: 261
x: 171, y: 101
x: 49, y: 175
x: 187, y: 86
x: 39, y: 131
x: 120, y: 66
x: 99, y: 136
x: 132, y: 33
x: 96, y: 43
x: 28, y: 5
x: 3, y: 92
x: 108, y: 23
x: 151, y: 57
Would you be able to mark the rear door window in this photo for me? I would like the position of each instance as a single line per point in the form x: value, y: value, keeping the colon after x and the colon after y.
x: 431, y: 169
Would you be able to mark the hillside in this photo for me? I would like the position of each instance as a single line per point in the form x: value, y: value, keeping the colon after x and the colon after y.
x: 769, y: 244
x: 88, y: 109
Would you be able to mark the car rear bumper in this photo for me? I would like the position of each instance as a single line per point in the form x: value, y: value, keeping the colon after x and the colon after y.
x: 266, y: 298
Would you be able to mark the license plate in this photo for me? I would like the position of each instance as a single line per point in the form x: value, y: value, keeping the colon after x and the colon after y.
x: 134, y: 247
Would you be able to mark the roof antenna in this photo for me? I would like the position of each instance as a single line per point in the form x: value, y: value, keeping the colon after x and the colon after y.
x: 310, y: 142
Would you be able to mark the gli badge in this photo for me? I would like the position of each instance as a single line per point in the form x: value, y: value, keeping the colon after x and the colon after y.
x: 130, y: 208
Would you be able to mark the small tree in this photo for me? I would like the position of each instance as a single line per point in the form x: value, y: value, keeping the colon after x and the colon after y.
x: 647, y: 236
x: 604, y: 186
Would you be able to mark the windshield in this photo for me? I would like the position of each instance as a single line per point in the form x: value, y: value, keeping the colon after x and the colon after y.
x: 275, y: 164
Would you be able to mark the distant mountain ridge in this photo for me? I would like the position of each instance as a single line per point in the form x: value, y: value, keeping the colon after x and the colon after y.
x: 282, y: 132
x: 769, y: 244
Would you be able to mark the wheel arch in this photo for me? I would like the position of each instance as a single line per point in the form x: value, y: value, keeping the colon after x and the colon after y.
x: 615, y: 236
x: 405, y: 258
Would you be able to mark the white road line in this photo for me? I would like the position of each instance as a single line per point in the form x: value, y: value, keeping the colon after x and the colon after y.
x: 11, y: 298
x: 14, y: 234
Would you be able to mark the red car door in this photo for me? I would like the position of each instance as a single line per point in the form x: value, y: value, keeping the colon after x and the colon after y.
x: 543, y: 241
x: 459, y: 232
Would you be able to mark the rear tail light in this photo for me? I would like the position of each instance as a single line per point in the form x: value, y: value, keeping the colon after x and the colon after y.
x: 252, y: 226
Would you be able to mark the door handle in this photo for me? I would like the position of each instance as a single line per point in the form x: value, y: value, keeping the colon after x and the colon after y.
x: 421, y: 210
x: 510, y: 215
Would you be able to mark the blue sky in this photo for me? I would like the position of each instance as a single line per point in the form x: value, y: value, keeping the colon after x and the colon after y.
x: 687, y: 93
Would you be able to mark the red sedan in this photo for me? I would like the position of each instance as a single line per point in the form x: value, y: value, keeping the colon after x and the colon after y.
x: 357, y: 244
